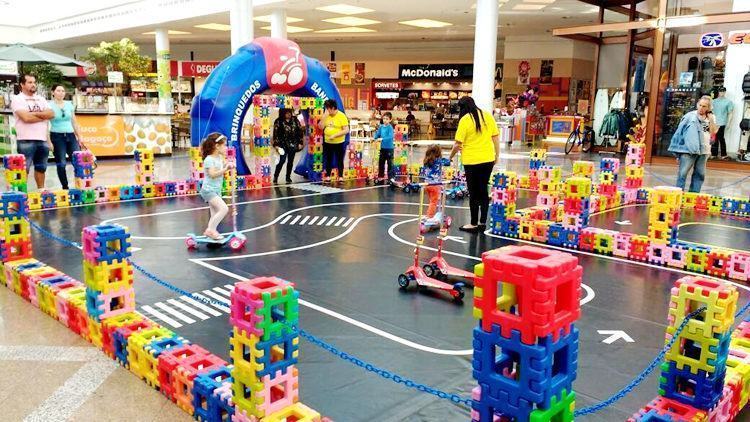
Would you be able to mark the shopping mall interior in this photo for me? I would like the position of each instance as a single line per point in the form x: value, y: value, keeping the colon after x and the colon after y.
x: 359, y: 210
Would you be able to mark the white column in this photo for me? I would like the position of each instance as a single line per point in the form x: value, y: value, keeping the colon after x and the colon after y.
x: 485, y: 52
x: 278, y: 23
x: 738, y: 64
x: 241, y: 21
x: 162, y: 70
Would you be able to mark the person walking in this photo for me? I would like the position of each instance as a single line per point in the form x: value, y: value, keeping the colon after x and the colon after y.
x: 477, y: 138
x: 722, y: 108
x: 335, y: 127
x: 287, y: 135
x: 32, y: 113
x: 63, y: 132
x: 691, y: 143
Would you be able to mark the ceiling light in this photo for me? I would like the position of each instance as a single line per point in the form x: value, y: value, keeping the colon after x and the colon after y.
x: 344, y: 9
x: 291, y: 29
x: 345, y: 29
x: 169, y: 32
x: 214, y: 26
x: 425, y: 23
x: 267, y: 19
x: 351, y: 21
x: 529, y: 6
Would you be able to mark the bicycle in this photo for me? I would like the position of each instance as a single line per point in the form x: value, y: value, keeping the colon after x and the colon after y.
x: 583, y: 138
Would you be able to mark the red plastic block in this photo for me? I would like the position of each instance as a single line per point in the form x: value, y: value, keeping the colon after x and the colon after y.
x: 718, y: 262
x: 587, y: 239
x: 677, y: 411
x: 168, y: 362
x: 546, y: 289
x: 639, y: 248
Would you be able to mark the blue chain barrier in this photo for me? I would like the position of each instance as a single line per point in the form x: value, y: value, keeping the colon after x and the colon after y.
x: 455, y: 398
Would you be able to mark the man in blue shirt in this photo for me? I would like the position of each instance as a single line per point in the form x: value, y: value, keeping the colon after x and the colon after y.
x: 722, y: 108
x: 385, y: 134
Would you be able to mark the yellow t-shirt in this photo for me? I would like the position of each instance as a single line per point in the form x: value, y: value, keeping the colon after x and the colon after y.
x: 333, y: 125
x: 478, y: 147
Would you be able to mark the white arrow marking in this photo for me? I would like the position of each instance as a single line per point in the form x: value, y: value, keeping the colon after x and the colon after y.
x: 615, y: 335
x: 458, y: 239
x: 134, y: 249
x: 624, y: 223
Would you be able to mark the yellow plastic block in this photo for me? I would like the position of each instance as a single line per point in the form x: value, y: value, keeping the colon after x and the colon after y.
x: 149, y: 191
x: 538, y: 154
x: 297, y: 412
x: 688, y: 200
x: 550, y: 174
x: 667, y: 195
x: 106, y: 277
x: 14, y: 229
x: 662, y: 214
x: 606, y: 178
x: 94, y: 335
x: 659, y: 233
x: 244, y: 351
x: 703, y: 361
x: 583, y: 168
x: 143, y: 363
x: 62, y: 198
x: 604, y: 242
x: 245, y: 387
x: 526, y: 229
x: 577, y: 187
x: 719, y: 299
x: 34, y: 199
x: 739, y: 371
x: 9, y: 270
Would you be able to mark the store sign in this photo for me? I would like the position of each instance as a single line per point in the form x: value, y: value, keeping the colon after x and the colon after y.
x: 739, y: 37
x: 115, y: 77
x: 102, y: 134
x: 435, y: 71
x: 387, y: 86
x: 712, y: 40
x: 386, y: 95
x: 8, y: 68
x: 196, y: 69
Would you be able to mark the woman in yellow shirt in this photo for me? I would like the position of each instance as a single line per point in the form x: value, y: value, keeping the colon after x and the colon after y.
x: 335, y: 127
x: 477, y: 138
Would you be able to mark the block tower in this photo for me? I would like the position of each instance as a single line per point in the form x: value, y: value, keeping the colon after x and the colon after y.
x: 83, y: 167
x: 196, y: 164
x: 663, y: 221
x: 609, y: 196
x: 263, y: 349
x: 635, y: 158
x: 527, y: 300
x: 144, y: 166
x: 550, y: 185
x: 15, y: 230
x: 15, y: 171
x: 503, y: 207
x: 401, y: 152
x: 107, y: 273
x: 538, y: 159
x: 230, y: 177
x: 692, y: 385
x: 575, y: 208
x: 262, y: 138
x: 315, y: 145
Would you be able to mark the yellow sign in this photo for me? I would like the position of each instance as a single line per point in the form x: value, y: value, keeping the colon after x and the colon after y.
x: 102, y: 134
x: 347, y: 73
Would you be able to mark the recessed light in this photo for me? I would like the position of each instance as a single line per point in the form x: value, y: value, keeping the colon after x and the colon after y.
x: 291, y: 29
x: 170, y: 32
x: 351, y: 21
x: 267, y: 19
x: 345, y: 29
x: 215, y: 26
x: 425, y: 23
x: 344, y: 9
x: 529, y: 6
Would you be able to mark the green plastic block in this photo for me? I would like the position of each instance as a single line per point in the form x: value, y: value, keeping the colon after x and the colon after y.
x: 559, y: 411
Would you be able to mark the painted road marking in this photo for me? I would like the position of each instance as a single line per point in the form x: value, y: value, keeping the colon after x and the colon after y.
x: 285, y: 219
x: 222, y: 291
x: 188, y: 309
x: 341, y: 220
x: 322, y: 220
x: 304, y: 220
x: 182, y: 317
x: 161, y: 316
x: 295, y: 220
x: 217, y: 306
x: 313, y: 220
x: 615, y: 335
x: 216, y: 296
x: 349, y: 221
x: 200, y: 306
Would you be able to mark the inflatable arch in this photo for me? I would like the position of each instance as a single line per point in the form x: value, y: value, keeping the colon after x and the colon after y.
x: 266, y: 65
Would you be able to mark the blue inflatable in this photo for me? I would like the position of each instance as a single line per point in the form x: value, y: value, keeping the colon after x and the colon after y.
x: 267, y: 65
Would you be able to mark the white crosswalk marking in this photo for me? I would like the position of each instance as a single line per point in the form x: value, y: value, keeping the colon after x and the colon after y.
x: 213, y: 296
x: 349, y: 221
x: 176, y: 314
x: 341, y: 220
x: 222, y: 291
x: 313, y: 220
x: 188, y: 309
x: 331, y: 221
x: 200, y: 306
x: 304, y: 220
x: 230, y: 287
x: 295, y: 220
x: 217, y: 297
x: 161, y: 316
x: 322, y: 220
x: 285, y: 219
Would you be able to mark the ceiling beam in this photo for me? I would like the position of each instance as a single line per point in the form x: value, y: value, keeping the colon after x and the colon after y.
x: 583, y: 37
x: 605, y: 27
x: 670, y: 22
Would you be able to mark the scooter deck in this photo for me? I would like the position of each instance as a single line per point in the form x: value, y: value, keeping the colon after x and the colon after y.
x: 206, y: 239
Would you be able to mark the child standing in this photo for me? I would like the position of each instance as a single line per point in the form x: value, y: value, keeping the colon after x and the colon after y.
x: 213, y: 151
x: 433, y: 162
x: 385, y: 134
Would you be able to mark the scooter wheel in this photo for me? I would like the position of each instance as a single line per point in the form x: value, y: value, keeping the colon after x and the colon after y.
x: 407, y: 189
x: 422, y: 228
x: 191, y: 243
x: 403, y: 281
x: 448, y: 221
x: 236, y: 244
x: 458, y: 294
x: 429, y: 271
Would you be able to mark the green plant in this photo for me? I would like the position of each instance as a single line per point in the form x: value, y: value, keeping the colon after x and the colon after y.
x: 46, y: 75
x: 123, y: 56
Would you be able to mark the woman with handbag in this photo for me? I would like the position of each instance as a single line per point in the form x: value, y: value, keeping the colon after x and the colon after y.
x: 63, y: 132
x: 287, y: 138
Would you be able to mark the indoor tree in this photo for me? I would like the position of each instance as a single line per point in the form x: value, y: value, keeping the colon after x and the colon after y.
x: 123, y: 56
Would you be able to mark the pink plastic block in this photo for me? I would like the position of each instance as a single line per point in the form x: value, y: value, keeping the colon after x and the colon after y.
x: 658, y: 253
x: 723, y: 410
x: 677, y: 257
x: 181, y: 188
x: 476, y: 394
x: 739, y: 266
x: 280, y: 391
x: 101, y: 194
x: 247, y: 298
x: 622, y: 245
x: 125, y: 298
x: 546, y: 200
x: 242, y: 416
x: 742, y: 330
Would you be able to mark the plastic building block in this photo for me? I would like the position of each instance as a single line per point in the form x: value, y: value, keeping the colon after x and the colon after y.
x: 658, y: 253
x: 604, y: 242
x: 94, y: 332
x: 108, y: 276
x: 102, y: 305
x: 718, y: 261
x: 546, y: 284
x: 662, y: 409
x: 701, y: 391
x: 122, y: 334
x: 622, y: 246
x: 577, y: 187
x: 15, y: 250
x: 110, y: 325
x: 105, y: 243
x: 13, y: 205
x: 559, y: 410
x: 677, y: 255
x: 587, y: 239
x: 639, y: 248
x: 296, y: 412
x: 697, y: 259
x: 265, y: 307
x: 204, y: 387
x: 739, y: 266
x: 696, y: 354
x: 245, y: 383
x: 185, y: 373
x: 143, y: 363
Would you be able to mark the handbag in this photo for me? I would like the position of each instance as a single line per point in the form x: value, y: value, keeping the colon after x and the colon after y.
x: 745, y: 125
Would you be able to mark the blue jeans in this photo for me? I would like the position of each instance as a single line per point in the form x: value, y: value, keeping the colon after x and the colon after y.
x: 698, y: 163
x: 36, y: 152
x: 64, y: 145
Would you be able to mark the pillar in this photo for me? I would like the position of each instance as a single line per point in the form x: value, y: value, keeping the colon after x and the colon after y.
x: 241, y: 21
x: 278, y: 23
x: 738, y: 64
x: 162, y: 71
x: 485, y: 53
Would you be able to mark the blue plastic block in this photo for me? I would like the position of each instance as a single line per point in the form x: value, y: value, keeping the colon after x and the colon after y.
x: 490, y: 404
x: 542, y: 371
x: 94, y: 304
x: 701, y: 391
x: 240, y: 183
x: 170, y: 188
x: 536, y: 164
x: 729, y: 205
x: 126, y: 192
x: 29, y: 266
x: 510, y: 228
x: 499, y: 211
x: 208, y: 407
x: 121, y: 348
x: 157, y: 347
x: 83, y: 172
x: 137, y: 192
x: 75, y: 196
x: 289, y: 341
x: 500, y: 180
x: 106, y: 233
x: 571, y: 238
x: 556, y: 234
x: 49, y: 200
x: 14, y: 204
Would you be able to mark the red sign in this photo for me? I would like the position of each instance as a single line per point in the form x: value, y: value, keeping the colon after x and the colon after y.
x: 286, y: 69
x: 387, y: 86
x: 199, y: 69
x: 739, y: 37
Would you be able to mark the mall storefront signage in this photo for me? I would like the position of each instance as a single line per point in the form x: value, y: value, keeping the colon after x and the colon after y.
x: 717, y: 39
x: 435, y: 71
